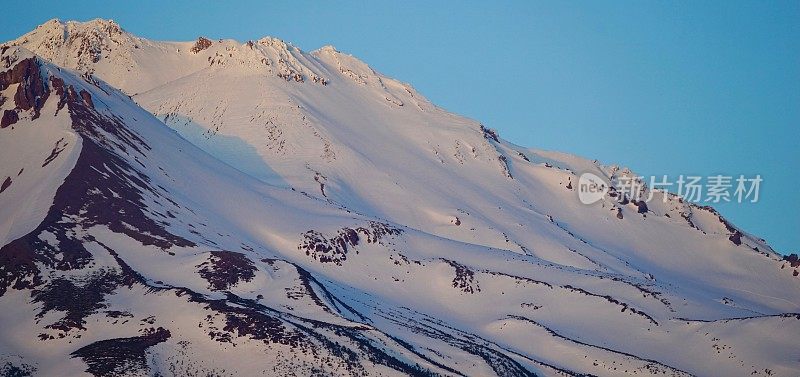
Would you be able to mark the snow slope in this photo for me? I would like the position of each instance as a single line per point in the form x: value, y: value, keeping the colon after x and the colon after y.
x: 322, y: 218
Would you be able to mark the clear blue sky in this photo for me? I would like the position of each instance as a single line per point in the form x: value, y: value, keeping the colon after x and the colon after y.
x: 693, y: 87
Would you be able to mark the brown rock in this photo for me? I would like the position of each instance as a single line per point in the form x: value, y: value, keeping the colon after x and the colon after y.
x: 87, y: 98
x: 793, y: 260
x: 736, y: 238
x: 9, y: 117
x: 202, y: 44
x: 32, y: 91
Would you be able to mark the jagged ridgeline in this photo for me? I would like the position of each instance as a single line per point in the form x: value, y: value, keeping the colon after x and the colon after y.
x: 215, y: 207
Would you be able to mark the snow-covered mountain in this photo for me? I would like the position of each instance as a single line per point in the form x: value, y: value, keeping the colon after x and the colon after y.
x: 223, y: 208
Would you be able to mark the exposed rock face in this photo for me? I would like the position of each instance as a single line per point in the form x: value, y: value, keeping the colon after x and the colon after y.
x: 201, y: 44
x: 334, y: 249
x: 77, y: 299
x: 736, y: 237
x: 793, y: 260
x: 641, y: 207
x: 32, y: 91
x: 504, y: 165
x: 490, y: 134
x: 224, y: 269
x: 14, y: 366
x: 121, y: 356
x: 87, y: 42
x: 87, y: 98
x: 9, y: 117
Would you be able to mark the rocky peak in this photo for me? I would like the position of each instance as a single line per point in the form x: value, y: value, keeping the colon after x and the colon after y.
x: 328, y: 49
x: 65, y: 32
x: 77, y: 44
x: 275, y: 43
x: 107, y: 27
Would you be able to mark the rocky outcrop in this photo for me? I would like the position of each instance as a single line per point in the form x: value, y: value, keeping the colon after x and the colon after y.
x: 77, y: 299
x: 334, y: 249
x: 9, y: 117
x: 641, y: 206
x: 120, y: 356
x: 32, y: 91
x: 793, y: 260
x: 464, y: 278
x: 489, y: 134
x: 201, y: 44
x: 736, y: 237
x: 225, y: 269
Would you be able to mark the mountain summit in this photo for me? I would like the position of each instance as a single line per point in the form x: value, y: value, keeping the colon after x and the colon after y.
x: 213, y: 207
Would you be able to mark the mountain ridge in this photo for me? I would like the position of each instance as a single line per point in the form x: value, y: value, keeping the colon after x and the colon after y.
x: 82, y: 46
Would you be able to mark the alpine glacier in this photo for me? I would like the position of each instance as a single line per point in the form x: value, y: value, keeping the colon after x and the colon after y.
x: 222, y: 208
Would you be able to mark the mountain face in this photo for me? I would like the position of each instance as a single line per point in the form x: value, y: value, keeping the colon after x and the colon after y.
x: 223, y: 208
